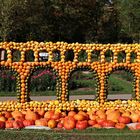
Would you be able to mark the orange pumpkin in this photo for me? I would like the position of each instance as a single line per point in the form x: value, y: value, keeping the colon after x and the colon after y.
x: 30, y: 115
x: 79, y: 117
x: 17, y: 113
x: 52, y: 123
x: 7, y: 114
x: 41, y: 122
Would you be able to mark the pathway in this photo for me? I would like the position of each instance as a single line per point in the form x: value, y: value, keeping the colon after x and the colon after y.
x: 72, y: 97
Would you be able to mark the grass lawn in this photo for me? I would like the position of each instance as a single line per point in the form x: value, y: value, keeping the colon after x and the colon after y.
x: 88, y: 134
x: 85, y: 85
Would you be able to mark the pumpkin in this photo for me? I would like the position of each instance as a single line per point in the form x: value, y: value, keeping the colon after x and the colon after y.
x: 52, y: 123
x: 41, y: 122
x: 30, y: 115
x: 17, y: 113
x: 113, y: 115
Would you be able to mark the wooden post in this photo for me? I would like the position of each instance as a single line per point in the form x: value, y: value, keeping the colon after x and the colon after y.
x: 2, y: 55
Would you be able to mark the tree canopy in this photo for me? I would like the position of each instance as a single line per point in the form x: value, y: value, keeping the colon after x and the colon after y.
x: 129, y: 16
x: 103, y: 21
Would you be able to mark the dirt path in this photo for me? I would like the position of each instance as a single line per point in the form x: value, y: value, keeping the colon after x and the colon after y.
x: 72, y: 97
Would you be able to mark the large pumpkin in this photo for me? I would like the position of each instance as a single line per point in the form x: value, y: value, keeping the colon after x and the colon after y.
x: 69, y: 123
x: 113, y: 115
x: 17, y: 113
x: 30, y: 115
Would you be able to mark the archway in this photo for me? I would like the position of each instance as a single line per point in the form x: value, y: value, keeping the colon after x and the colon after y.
x: 120, y: 84
x: 83, y: 84
x: 43, y: 83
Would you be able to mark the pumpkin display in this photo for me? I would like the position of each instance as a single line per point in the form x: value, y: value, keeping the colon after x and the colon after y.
x: 28, y: 122
x: 71, y: 122
x: 18, y: 124
x: 96, y: 113
x: 101, y: 67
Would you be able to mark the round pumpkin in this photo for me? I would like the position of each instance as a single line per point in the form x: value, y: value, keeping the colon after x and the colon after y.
x: 30, y: 115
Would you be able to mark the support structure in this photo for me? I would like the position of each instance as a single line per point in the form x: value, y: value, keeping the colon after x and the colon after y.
x: 63, y: 68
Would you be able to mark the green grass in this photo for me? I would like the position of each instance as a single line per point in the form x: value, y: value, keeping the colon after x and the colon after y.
x: 88, y: 134
x: 4, y: 94
x: 80, y: 92
x: 85, y: 85
x: 48, y: 93
x: 117, y: 84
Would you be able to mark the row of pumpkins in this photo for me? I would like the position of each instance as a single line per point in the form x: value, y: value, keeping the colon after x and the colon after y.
x: 80, y: 120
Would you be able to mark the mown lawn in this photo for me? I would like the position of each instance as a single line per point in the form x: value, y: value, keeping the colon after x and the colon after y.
x: 88, y: 134
x: 117, y: 84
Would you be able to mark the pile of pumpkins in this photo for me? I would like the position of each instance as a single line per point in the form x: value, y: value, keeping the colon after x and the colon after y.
x: 70, y: 120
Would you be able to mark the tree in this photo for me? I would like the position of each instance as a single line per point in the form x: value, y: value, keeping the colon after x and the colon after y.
x: 35, y: 23
x: 22, y: 20
x: 10, y: 18
x: 5, y: 24
x: 70, y: 20
x: 129, y: 15
x: 83, y: 21
x: 58, y: 20
x: 108, y: 23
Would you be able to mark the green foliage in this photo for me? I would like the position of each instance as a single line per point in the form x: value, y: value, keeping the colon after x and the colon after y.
x: 42, y: 83
x: 129, y: 16
x: 121, y: 56
x: 82, y: 56
x: 56, y: 56
x: 79, y: 79
x: 7, y: 81
x: 69, y: 55
x: 16, y: 56
x: 29, y: 56
x: 80, y: 83
x: 12, y: 15
x: 70, y: 21
x: 120, y: 82
x: 95, y: 56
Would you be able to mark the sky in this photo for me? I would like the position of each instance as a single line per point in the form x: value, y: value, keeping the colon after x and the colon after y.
x: 110, y: 1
